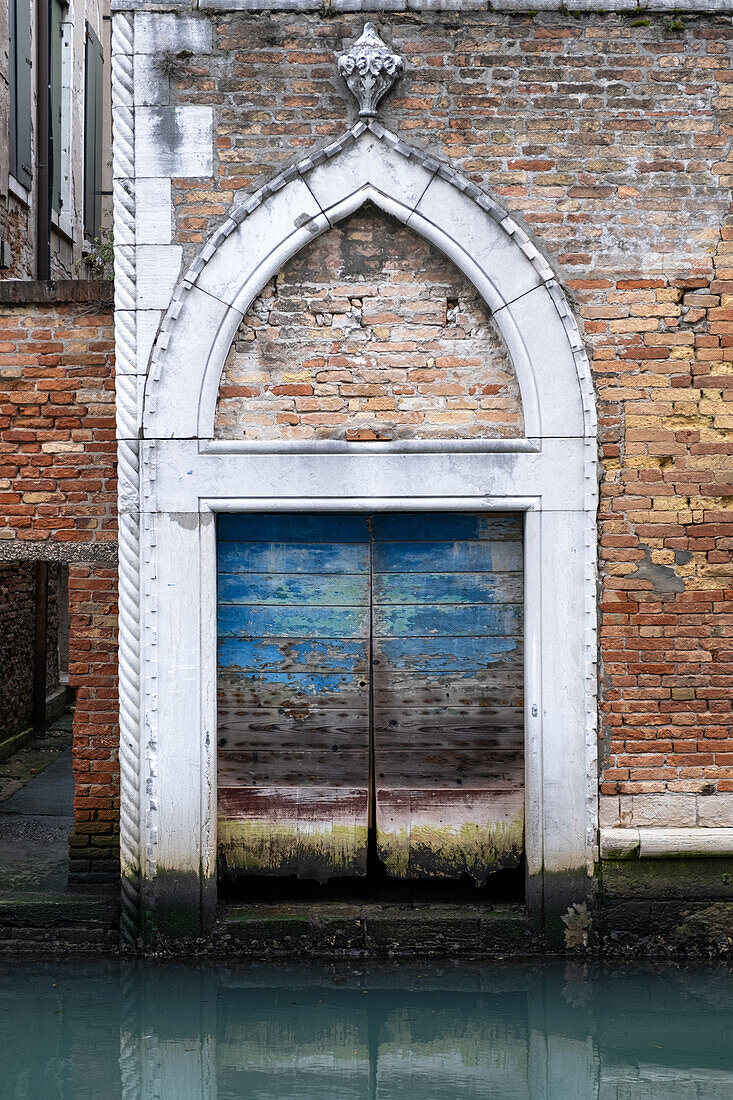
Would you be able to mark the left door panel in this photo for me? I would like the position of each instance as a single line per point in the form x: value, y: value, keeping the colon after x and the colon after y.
x: 293, y: 695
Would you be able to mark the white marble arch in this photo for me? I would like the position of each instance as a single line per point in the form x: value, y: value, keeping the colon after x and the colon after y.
x: 188, y: 476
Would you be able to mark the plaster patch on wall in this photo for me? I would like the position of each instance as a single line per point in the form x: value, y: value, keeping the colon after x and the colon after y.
x: 663, y: 577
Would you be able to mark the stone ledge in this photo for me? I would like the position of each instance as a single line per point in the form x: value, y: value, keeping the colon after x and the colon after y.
x: 651, y: 843
x: 506, y: 7
x: 64, y: 909
x: 52, y: 291
x: 375, y: 930
x: 77, y: 553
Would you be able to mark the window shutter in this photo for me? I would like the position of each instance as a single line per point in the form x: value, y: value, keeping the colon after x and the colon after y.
x: 93, y: 123
x: 57, y: 18
x: 19, y: 12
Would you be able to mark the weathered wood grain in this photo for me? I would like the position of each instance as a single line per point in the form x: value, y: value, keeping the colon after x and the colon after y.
x: 286, y: 655
x: 412, y: 722
x: 433, y: 833
x: 432, y: 611
x: 315, y: 833
x: 306, y: 728
x: 438, y: 526
x: 293, y: 694
x: 247, y: 691
x: 283, y: 557
x: 461, y: 620
x: 446, y: 759
x: 447, y: 557
x: 298, y: 621
x: 292, y: 527
x: 472, y: 687
x: 446, y: 655
x: 451, y: 768
x: 343, y: 590
x: 332, y: 767
x: 448, y: 588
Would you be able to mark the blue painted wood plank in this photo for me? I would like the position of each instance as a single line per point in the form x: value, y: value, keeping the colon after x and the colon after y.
x: 449, y: 620
x: 283, y: 557
x: 446, y: 654
x: 440, y: 526
x: 448, y: 588
x: 310, y: 655
x: 292, y: 527
x: 236, y: 621
x: 304, y: 589
x: 446, y: 557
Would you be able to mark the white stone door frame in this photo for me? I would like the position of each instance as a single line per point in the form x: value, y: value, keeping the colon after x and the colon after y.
x: 175, y: 477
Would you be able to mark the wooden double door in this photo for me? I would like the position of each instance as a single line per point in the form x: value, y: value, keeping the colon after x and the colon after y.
x: 370, y: 677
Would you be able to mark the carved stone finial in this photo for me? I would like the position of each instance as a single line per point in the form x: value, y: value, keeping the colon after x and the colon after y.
x: 370, y: 69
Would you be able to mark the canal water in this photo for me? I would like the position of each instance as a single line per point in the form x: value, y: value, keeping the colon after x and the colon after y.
x: 547, y: 1031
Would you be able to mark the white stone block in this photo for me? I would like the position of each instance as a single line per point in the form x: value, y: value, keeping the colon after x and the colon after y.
x: 174, y: 141
x: 394, y: 183
x: 148, y: 322
x: 189, y: 344
x: 152, y: 85
x: 489, y: 245
x: 261, y: 244
x: 153, y: 210
x: 547, y: 347
x: 671, y: 843
x: 715, y: 810
x: 619, y: 843
x: 158, y: 268
x: 158, y: 32
x: 609, y: 811
x: 668, y: 810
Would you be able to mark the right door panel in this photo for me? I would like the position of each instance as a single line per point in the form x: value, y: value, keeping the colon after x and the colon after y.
x: 447, y: 693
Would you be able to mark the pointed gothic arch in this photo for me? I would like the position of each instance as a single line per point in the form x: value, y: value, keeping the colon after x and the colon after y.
x: 369, y: 164
x: 188, y: 477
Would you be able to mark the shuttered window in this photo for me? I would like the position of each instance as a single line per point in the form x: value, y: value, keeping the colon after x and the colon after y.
x: 93, y: 124
x: 20, y: 73
x: 58, y: 11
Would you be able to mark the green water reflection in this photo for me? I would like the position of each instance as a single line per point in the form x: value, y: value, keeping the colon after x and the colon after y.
x: 100, y: 1030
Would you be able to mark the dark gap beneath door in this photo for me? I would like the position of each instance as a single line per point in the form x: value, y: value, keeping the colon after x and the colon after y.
x: 502, y: 886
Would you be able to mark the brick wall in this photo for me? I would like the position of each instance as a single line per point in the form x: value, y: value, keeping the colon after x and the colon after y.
x: 369, y: 329
x: 664, y: 383
x: 17, y: 230
x: 93, y: 672
x: 57, y: 429
x: 17, y: 637
x: 58, y: 503
x: 612, y: 144
x: 17, y: 632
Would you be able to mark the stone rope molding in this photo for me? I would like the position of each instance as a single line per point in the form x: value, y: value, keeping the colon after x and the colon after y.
x: 128, y: 470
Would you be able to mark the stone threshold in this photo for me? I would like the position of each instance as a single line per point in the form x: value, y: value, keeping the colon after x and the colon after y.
x: 377, y: 930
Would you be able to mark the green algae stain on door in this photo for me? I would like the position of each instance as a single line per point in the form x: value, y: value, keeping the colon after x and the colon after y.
x: 293, y: 695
